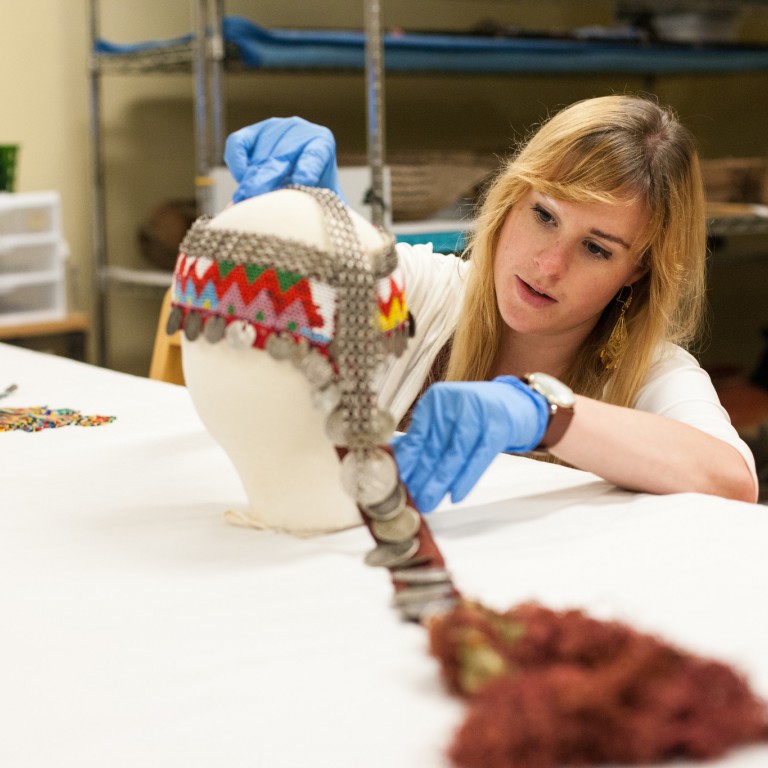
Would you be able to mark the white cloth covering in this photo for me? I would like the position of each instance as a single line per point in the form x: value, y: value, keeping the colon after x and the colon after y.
x: 676, y: 387
x: 138, y: 628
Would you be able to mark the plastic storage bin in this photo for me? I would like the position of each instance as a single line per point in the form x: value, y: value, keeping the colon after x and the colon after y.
x: 29, y: 212
x: 31, y: 253
x: 32, y: 297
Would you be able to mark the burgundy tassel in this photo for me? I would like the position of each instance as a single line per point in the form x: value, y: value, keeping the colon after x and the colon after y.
x: 549, y: 688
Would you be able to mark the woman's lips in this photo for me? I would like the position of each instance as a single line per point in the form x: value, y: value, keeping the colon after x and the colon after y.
x: 533, y: 297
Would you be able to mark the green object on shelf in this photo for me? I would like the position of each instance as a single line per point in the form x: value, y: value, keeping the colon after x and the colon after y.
x: 8, y: 155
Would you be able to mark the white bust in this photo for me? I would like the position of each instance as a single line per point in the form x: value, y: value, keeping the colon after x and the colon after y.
x: 260, y: 409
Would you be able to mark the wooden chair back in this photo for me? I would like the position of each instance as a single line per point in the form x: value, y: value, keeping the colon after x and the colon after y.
x: 166, y: 353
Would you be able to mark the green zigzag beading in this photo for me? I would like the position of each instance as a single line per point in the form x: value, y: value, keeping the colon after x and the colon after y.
x: 285, y: 279
x: 225, y: 267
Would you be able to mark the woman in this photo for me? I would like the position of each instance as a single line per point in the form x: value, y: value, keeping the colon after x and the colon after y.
x: 587, y: 267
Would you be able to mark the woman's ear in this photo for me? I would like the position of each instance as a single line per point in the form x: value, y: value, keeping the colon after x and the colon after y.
x: 641, y: 270
x: 643, y: 265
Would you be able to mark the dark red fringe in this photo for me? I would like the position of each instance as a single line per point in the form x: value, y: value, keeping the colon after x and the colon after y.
x: 551, y: 688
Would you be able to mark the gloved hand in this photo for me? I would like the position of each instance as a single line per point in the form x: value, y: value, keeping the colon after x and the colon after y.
x: 280, y: 151
x: 458, y: 428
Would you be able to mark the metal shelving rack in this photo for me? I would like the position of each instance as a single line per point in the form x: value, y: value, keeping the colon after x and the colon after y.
x: 202, y: 55
x: 729, y: 226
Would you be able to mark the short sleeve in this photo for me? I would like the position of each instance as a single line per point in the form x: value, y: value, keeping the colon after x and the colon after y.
x: 679, y: 388
x: 434, y: 290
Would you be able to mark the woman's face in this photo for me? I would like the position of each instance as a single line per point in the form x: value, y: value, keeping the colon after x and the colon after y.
x: 559, y: 263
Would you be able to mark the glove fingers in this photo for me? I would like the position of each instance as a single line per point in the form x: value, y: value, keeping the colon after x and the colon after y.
x: 424, y: 466
x: 257, y: 144
x: 469, y: 446
x: 409, y: 448
x: 478, y: 462
x: 441, y: 456
x: 490, y: 443
x: 265, y: 177
x: 316, y: 167
x: 313, y: 162
x: 452, y: 465
x: 254, y: 145
x: 236, y: 154
x: 417, y: 454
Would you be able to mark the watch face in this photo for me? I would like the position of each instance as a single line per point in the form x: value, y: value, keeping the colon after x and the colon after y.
x: 553, y: 389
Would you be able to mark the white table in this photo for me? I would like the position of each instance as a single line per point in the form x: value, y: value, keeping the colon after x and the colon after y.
x: 138, y: 628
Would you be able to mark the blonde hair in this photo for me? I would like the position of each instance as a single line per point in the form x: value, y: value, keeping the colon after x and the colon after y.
x: 603, y: 149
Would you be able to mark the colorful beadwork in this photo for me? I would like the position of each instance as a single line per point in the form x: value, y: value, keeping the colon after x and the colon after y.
x: 37, y: 419
x: 271, y: 298
x: 274, y: 300
x: 393, y: 311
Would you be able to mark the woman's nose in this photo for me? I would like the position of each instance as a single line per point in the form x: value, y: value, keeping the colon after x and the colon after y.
x: 552, y: 260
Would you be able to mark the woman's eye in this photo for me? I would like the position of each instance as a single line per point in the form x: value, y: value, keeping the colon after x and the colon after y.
x: 597, y: 250
x: 543, y: 215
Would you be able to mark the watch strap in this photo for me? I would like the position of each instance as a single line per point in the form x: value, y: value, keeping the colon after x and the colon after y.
x: 559, y: 421
x: 560, y: 413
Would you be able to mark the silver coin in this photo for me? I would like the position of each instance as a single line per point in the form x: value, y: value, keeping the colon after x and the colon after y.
x: 317, y: 369
x: 240, y: 334
x: 423, y: 612
x: 423, y: 593
x: 390, y: 342
x: 369, y: 476
x: 336, y: 426
x: 421, y: 575
x: 279, y: 346
x: 326, y: 398
x: 215, y: 328
x: 193, y: 325
x: 405, y: 526
x: 401, y: 342
x: 382, y: 427
x: 299, y: 350
x: 390, y: 507
x: 392, y: 555
x: 414, y: 562
x: 174, y: 320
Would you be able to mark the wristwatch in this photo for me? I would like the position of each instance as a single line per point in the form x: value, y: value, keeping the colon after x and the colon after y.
x: 561, y: 403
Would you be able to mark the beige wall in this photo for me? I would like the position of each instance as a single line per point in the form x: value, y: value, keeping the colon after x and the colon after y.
x: 148, y: 120
x: 43, y: 104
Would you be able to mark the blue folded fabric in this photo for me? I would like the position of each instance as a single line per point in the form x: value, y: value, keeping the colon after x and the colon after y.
x: 261, y: 48
x: 108, y: 48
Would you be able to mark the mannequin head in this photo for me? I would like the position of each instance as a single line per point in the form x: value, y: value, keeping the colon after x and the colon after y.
x: 259, y: 292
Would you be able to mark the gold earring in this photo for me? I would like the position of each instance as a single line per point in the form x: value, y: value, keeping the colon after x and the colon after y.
x: 613, y: 351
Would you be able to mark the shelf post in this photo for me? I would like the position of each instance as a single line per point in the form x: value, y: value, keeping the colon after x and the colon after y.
x: 203, y: 188
x: 374, y: 78
x: 216, y: 59
x: 99, y: 266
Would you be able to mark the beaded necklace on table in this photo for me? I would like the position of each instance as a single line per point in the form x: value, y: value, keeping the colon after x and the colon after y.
x: 38, y: 418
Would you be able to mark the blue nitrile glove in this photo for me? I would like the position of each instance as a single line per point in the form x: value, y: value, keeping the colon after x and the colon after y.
x: 458, y: 428
x: 280, y: 151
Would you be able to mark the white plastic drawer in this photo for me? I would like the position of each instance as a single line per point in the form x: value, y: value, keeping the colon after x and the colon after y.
x: 32, y: 297
x: 29, y: 212
x: 31, y: 253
